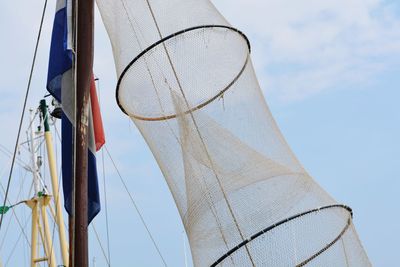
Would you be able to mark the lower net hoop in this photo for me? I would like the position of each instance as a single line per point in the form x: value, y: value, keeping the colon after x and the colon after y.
x: 292, y: 218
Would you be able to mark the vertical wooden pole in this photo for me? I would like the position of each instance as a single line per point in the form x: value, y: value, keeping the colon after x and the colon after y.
x: 71, y: 240
x: 84, y: 66
x: 71, y: 217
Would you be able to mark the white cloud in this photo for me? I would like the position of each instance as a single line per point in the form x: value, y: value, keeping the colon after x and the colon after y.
x: 310, y: 46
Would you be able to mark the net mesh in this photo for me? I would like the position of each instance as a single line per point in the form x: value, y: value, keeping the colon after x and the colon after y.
x: 187, y: 81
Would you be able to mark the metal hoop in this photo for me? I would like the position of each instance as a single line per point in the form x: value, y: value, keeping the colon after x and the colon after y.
x: 220, y: 93
x: 245, y: 242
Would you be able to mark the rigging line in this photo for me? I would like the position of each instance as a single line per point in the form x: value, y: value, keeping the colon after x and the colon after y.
x: 33, y: 119
x: 26, y: 142
x: 101, y: 245
x: 8, y: 153
x: 26, y: 248
x: 5, y: 150
x: 131, y: 20
x: 200, y: 136
x: 344, y: 252
x: 55, y: 225
x: 135, y: 206
x: 23, y: 109
x: 16, y: 217
x: 53, y: 231
x: 210, y: 203
x: 9, y: 223
x: 6, y: 233
x: 39, y: 146
x: 35, y: 138
x: 148, y: 66
x: 16, y: 243
x: 159, y: 100
x: 106, y: 209
x: 184, y: 249
x: 104, y: 187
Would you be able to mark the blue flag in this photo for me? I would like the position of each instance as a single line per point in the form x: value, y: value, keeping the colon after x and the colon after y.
x: 60, y: 84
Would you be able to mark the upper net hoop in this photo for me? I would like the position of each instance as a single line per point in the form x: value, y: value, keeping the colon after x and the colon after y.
x: 219, y: 93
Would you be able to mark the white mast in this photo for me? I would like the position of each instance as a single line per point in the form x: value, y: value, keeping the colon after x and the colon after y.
x: 32, y: 146
x: 39, y: 204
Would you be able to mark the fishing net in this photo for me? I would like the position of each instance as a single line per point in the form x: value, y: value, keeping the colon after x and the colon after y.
x: 187, y: 81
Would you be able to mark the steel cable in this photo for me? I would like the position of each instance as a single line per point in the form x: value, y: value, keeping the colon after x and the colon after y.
x: 23, y: 109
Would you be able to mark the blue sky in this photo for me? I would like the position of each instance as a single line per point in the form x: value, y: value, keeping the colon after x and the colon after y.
x: 330, y: 73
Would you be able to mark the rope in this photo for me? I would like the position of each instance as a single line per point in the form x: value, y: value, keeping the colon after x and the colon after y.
x: 23, y: 109
x: 104, y: 187
x: 16, y: 218
x: 201, y: 139
x: 5, y: 234
x: 101, y: 245
x: 136, y: 207
x: 106, y: 209
x: 162, y: 40
x: 4, y: 210
x: 16, y: 243
x: 53, y: 232
x: 344, y: 252
x: 8, y: 153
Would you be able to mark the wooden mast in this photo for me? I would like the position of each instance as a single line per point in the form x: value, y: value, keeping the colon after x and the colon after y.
x: 84, y: 11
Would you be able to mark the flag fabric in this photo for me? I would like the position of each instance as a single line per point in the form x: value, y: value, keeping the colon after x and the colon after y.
x: 98, y: 129
x: 60, y: 84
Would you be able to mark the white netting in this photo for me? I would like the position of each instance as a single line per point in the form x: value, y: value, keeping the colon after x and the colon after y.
x: 187, y: 82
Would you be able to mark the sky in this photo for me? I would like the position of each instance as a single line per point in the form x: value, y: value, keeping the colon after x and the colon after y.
x: 330, y: 74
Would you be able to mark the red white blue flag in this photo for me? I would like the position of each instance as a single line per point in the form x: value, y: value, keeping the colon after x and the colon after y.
x: 60, y: 84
